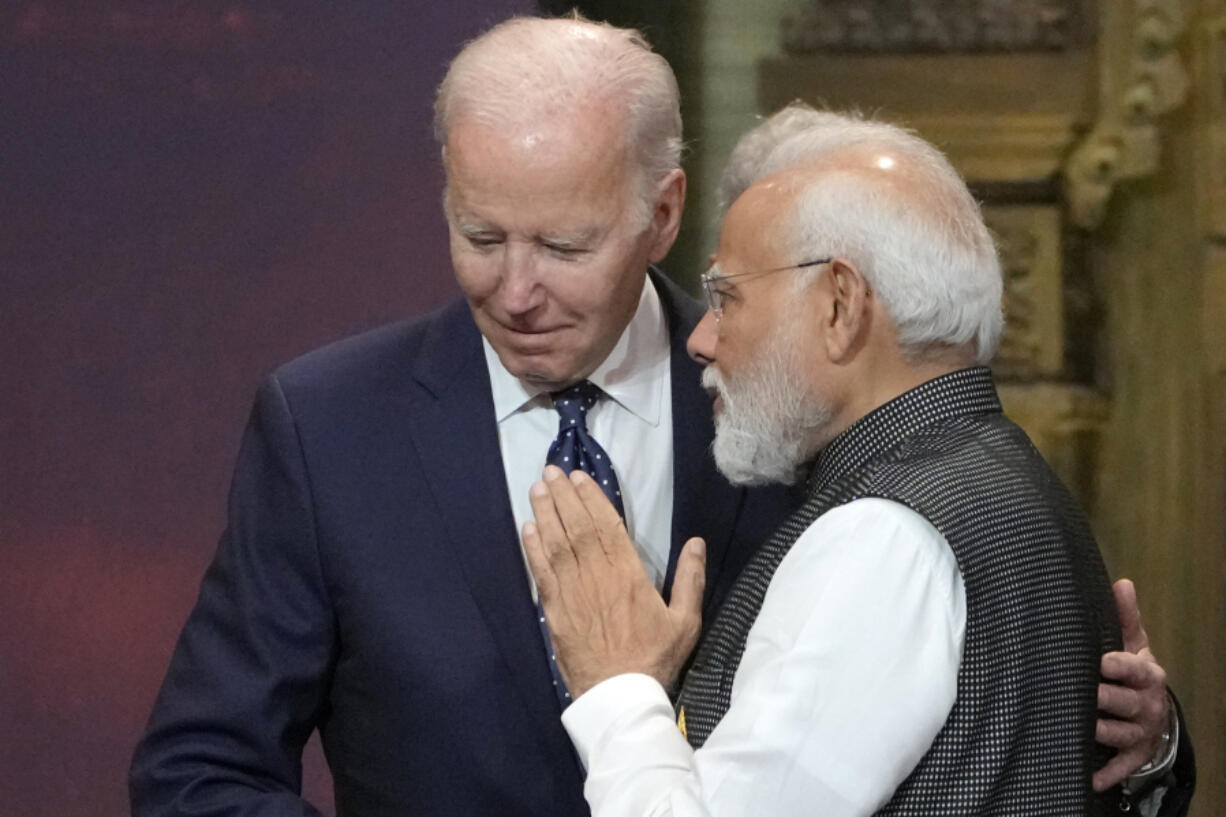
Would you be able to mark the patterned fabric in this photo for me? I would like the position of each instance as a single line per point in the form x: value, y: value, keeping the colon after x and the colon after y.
x: 575, y: 448
x: 1020, y: 737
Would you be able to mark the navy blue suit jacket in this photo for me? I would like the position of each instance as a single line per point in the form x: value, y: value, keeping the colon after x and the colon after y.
x: 370, y: 584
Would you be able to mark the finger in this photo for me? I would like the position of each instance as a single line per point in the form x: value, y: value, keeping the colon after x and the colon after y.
x: 580, y: 529
x: 610, y: 527
x: 1116, y: 770
x: 1135, y: 638
x: 1118, y: 701
x: 1139, y: 671
x: 538, y: 562
x: 555, y: 545
x: 688, y: 585
x: 1118, y: 734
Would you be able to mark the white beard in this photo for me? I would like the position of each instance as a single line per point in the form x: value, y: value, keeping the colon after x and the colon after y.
x: 769, y: 427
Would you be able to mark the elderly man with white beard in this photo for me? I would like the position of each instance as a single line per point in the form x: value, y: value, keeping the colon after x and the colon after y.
x: 923, y: 634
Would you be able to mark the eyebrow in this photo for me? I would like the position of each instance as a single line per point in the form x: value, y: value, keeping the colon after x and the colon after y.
x: 472, y: 230
x: 579, y: 240
x: 576, y: 241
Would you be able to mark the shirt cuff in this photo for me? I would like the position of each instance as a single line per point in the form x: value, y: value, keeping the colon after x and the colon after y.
x: 595, y: 712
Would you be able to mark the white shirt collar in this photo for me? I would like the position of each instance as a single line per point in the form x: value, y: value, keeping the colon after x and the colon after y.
x: 634, y: 374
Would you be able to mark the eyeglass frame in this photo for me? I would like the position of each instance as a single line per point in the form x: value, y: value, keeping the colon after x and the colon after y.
x: 715, y: 299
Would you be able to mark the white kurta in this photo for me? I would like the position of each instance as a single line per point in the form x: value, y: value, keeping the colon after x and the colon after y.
x: 849, y: 672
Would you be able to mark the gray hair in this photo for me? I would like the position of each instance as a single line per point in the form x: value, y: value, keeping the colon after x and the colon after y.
x: 745, y: 163
x: 926, y: 253
x: 527, y: 69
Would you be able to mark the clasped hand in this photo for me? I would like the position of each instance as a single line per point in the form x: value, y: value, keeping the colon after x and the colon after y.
x: 604, y: 615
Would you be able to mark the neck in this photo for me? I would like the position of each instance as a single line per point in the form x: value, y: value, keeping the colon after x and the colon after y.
x: 871, y: 384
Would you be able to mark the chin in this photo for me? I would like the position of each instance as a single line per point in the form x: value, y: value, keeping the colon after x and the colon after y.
x: 540, y: 373
x: 545, y: 381
x: 746, y: 458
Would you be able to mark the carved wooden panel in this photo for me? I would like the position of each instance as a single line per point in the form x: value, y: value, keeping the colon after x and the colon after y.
x: 1142, y: 77
x: 1018, y: 115
x: 945, y: 26
x: 1028, y: 237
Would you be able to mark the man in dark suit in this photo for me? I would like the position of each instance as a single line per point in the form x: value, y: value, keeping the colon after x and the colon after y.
x: 371, y: 582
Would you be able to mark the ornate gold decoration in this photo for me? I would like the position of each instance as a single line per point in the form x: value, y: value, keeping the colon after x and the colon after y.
x: 1000, y: 147
x: 1141, y: 78
x: 1028, y: 238
x: 946, y: 26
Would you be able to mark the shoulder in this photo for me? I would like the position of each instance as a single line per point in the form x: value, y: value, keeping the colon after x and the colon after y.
x: 961, y: 457
x: 378, y: 355
x: 876, y: 566
x: 874, y: 530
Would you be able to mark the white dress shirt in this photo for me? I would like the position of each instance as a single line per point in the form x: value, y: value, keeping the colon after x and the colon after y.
x: 635, y: 427
x: 849, y: 672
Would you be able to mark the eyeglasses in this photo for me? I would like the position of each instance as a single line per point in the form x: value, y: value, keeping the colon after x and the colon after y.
x: 712, y: 280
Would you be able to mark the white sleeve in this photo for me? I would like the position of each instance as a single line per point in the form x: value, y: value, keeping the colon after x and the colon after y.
x: 849, y: 672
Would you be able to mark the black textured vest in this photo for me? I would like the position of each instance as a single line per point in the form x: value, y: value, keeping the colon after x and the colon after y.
x: 1020, y: 737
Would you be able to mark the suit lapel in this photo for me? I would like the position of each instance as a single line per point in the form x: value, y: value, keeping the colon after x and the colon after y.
x: 456, y: 436
x: 704, y: 503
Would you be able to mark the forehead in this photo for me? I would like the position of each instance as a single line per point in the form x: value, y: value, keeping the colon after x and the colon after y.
x: 569, y: 171
x: 754, y: 228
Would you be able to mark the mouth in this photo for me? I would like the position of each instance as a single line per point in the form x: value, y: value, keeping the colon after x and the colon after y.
x: 532, y: 341
x: 711, y: 382
x: 528, y: 331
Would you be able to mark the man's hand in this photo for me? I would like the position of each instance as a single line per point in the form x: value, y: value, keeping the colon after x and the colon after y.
x: 1133, y: 702
x: 604, y: 615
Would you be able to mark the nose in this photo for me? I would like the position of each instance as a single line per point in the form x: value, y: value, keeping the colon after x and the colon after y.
x: 701, y: 345
x: 521, y: 289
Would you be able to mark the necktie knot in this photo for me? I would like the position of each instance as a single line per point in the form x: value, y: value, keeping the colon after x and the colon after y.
x: 574, y: 447
x: 573, y: 404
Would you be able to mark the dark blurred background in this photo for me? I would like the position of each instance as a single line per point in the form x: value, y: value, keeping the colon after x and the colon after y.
x: 192, y: 193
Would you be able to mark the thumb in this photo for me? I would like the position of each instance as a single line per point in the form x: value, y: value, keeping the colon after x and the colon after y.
x: 1135, y: 638
x: 690, y: 582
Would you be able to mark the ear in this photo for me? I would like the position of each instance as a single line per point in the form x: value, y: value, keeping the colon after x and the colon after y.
x: 666, y: 214
x: 846, y: 319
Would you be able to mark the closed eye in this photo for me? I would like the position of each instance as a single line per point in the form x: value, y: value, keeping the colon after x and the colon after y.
x: 565, y: 251
x: 483, y: 241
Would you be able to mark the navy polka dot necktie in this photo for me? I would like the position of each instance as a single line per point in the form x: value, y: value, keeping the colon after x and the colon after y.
x: 575, y: 448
